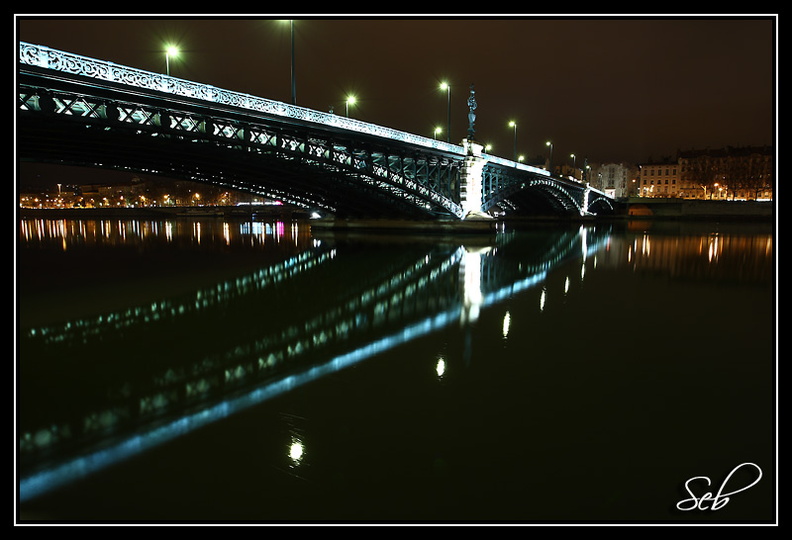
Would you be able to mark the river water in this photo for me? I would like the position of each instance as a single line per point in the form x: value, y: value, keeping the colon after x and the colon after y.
x: 211, y: 371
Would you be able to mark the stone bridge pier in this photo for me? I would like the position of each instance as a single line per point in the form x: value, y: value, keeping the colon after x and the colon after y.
x: 471, y: 181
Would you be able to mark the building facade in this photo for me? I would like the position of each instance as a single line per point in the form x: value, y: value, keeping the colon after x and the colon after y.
x: 614, y: 179
x: 729, y: 173
x: 659, y: 179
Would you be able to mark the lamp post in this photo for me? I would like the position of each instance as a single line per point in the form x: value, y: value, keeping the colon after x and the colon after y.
x: 436, y: 131
x: 513, y: 124
x: 350, y: 99
x: 573, y: 166
x: 550, y: 158
x: 293, y: 77
x: 447, y: 88
x: 170, y: 51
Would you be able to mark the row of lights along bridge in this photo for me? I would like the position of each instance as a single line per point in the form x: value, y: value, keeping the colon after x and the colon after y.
x: 173, y: 52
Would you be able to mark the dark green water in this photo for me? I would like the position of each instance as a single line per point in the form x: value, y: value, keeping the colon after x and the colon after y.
x: 610, y: 373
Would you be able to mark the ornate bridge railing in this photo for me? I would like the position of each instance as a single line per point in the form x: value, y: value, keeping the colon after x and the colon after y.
x: 65, y: 62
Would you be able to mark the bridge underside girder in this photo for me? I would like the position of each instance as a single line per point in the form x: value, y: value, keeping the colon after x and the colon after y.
x: 536, y: 202
x: 522, y: 193
x: 291, y: 181
x: 315, y: 170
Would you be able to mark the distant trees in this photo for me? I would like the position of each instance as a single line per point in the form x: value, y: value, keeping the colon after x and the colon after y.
x: 744, y: 173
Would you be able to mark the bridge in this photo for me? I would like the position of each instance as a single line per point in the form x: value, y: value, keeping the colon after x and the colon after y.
x: 149, y: 395
x: 84, y: 111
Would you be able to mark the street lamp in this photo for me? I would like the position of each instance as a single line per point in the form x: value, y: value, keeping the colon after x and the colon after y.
x: 437, y: 130
x: 447, y: 88
x: 550, y: 159
x: 350, y: 99
x: 170, y: 51
x: 513, y: 124
x: 293, y: 78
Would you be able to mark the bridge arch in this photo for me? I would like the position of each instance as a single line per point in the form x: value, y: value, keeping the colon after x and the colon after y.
x: 534, y: 195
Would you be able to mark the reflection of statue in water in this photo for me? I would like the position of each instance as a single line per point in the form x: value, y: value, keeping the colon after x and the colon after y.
x: 472, y: 113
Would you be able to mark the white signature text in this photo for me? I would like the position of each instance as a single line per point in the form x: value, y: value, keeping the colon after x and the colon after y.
x: 720, y: 499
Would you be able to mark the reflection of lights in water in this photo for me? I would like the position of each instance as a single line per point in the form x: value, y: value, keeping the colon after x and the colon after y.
x: 542, y: 301
x: 227, y: 233
x: 470, y: 268
x: 197, y: 231
x: 582, y: 271
x: 506, y: 324
x: 440, y: 367
x: 566, y: 285
x: 296, y: 452
x: 713, y: 249
x: 645, y: 248
x: 81, y: 466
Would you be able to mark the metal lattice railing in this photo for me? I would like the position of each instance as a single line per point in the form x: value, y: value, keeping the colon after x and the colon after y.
x: 45, y: 57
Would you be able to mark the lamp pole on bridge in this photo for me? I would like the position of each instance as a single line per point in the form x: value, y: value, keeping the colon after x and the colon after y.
x: 293, y: 77
x: 513, y: 124
x: 350, y: 99
x: 170, y: 51
x: 447, y: 88
x: 550, y: 157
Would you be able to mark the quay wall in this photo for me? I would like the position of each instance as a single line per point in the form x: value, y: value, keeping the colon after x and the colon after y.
x: 692, y: 209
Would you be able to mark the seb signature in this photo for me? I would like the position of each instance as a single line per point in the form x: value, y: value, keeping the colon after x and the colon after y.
x: 720, y: 499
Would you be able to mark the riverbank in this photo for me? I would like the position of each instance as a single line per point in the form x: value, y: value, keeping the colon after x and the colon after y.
x: 634, y: 208
x: 227, y: 212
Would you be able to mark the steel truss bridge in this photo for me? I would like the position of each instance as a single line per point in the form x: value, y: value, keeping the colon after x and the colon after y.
x: 151, y: 395
x: 83, y: 111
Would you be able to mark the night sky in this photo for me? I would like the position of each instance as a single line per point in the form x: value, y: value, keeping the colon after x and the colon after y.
x: 617, y: 89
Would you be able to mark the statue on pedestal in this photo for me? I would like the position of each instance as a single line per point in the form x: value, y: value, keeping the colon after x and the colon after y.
x: 471, y: 114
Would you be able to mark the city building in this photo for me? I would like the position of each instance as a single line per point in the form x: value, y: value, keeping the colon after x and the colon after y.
x: 744, y: 173
x: 658, y: 178
x: 614, y: 179
x: 730, y: 173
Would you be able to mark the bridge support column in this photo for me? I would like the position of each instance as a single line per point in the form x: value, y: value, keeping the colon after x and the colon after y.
x: 471, y: 181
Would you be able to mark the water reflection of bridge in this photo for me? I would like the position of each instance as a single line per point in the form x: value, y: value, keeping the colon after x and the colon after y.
x: 125, y: 381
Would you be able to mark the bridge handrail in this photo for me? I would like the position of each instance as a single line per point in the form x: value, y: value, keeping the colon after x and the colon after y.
x: 49, y: 58
x: 517, y: 165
